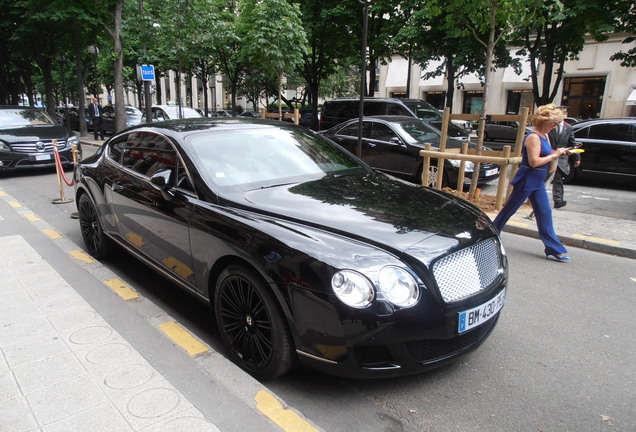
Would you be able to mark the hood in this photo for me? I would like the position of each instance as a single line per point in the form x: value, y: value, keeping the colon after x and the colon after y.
x: 33, y: 133
x: 374, y: 208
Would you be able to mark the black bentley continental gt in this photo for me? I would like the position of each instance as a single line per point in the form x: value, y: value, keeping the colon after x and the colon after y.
x: 306, y: 254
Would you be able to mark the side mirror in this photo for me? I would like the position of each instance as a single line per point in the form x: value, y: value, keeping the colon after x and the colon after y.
x: 161, y: 179
x: 395, y: 140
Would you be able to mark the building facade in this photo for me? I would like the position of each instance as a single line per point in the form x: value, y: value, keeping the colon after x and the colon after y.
x: 592, y: 86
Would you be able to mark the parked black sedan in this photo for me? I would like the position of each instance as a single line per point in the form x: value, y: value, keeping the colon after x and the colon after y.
x: 27, y: 137
x: 392, y: 144
x: 610, y: 147
x: 304, y: 252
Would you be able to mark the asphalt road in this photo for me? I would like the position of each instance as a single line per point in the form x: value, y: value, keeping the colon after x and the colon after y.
x: 561, y: 358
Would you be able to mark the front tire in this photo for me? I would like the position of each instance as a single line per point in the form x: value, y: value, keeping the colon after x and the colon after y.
x: 252, y: 325
x: 98, y: 244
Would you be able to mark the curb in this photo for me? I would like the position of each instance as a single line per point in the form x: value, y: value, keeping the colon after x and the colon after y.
x: 626, y: 250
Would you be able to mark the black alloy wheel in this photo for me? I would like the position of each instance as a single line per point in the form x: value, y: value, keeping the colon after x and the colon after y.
x: 97, y: 243
x: 252, y: 325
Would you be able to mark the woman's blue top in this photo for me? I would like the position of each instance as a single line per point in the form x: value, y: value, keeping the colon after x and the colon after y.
x: 532, y: 178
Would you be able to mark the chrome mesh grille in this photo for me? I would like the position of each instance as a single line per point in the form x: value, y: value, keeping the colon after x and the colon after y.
x: 31, y: 147
x: 468, y: 271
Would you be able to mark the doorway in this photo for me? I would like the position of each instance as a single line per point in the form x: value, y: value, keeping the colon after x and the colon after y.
x: 583, y: 96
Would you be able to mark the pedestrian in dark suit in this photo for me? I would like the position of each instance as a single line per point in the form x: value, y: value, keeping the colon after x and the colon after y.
x: 562, y: 136
x: 95, y: 113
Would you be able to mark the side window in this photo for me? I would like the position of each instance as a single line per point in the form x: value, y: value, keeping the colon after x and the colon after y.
x: 374, y: 108
x: 147, y: 153
x: 581, y: 133
x: 395, y: 109
x: 352, y: 130
x: 613, y: 132
x: 382, y: 132
x: 116, y: 149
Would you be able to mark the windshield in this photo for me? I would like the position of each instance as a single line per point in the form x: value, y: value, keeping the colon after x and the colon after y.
x: 423, y: 110
x: 419, y: 131
x: 19, y: 118
x: 186, y: 112
x: 257, y: 158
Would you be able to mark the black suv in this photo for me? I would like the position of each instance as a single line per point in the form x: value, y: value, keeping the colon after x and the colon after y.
x: 339, y: 110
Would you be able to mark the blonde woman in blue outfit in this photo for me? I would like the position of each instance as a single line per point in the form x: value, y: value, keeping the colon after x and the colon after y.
x: 529, y: 181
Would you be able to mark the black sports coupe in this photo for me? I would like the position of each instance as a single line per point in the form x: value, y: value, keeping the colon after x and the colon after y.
x: 306, y: 254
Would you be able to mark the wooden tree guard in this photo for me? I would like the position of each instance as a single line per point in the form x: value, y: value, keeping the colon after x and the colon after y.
x: 295, y: 115
x: 505, y: 158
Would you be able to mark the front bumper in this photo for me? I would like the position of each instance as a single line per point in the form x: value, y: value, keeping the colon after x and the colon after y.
x: 10, y: 160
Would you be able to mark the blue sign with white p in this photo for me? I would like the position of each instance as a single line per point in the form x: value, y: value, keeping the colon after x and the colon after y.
x: 147, y: 72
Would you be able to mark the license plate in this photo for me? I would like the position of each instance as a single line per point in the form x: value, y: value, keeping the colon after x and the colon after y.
x: 492, y: 172
x: 42, y: 157
x: 474, y: 317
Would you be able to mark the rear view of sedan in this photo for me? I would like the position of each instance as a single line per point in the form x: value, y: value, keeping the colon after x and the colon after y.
x: 305, y: 254
x: 27, y: 137
x: 392, y: 144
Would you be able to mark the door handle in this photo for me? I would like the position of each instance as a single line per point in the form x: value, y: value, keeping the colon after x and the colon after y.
x: 371, y: 144
x: 118, y: 187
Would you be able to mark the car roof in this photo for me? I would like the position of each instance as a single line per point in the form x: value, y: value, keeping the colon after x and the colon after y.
x: 180, y: 127
x: 588, y: 122
x: 374, y: 99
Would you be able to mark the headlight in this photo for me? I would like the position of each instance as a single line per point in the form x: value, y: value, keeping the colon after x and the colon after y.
x: 469, y: 164
x: 352, y: 288
x: 73, y: 140
x: 398, y: 286
x: 5, y: 147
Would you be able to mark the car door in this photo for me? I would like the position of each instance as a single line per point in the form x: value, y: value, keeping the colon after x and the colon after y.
x: 347, y: 137
x: 108, y: 119
x: 609, y: 147
x: 387, y: 152
x: 151, y: 219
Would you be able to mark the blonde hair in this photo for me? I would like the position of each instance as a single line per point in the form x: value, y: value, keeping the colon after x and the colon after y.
x: 549, y: 113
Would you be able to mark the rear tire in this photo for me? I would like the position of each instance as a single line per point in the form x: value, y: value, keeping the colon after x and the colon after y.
x: 252, y: 325
x: 571, y: 175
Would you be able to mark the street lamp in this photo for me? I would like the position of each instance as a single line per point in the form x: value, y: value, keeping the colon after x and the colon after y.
x: 363, y: 70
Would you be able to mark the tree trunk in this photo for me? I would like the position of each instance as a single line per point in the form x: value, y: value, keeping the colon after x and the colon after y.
x: 118, y: 69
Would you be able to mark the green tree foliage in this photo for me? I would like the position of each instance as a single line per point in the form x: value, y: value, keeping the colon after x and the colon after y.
x: 624, y: 12
x: 333, y: 29
x: 556, y: 33
x: 274, y: 37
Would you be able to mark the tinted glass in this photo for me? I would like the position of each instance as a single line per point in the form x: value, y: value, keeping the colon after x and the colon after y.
x: 581, y: 133
x: 610, y: 132
x: 265, y: 157
x: 147, y: 153
x: 351, y: 130
x: 420, y: 131
x: 424, y: 110
x: 382, y: 132
x: 374, y: 108
x: 346, y: 109
x: 115, y: 151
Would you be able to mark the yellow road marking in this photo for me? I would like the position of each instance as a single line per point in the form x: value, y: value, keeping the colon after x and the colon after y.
x: 81, y: 256
x: 31, y: 217
x: 3, y: 193
x: 135, y: 239
x: 282, y: 416
x: 178, y: 267
x: 183, y: 338
x: 519, y: 224
x: 52, y: 234
x: 597, y: 239
x: 121, y: 289
x: 15, y: 204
